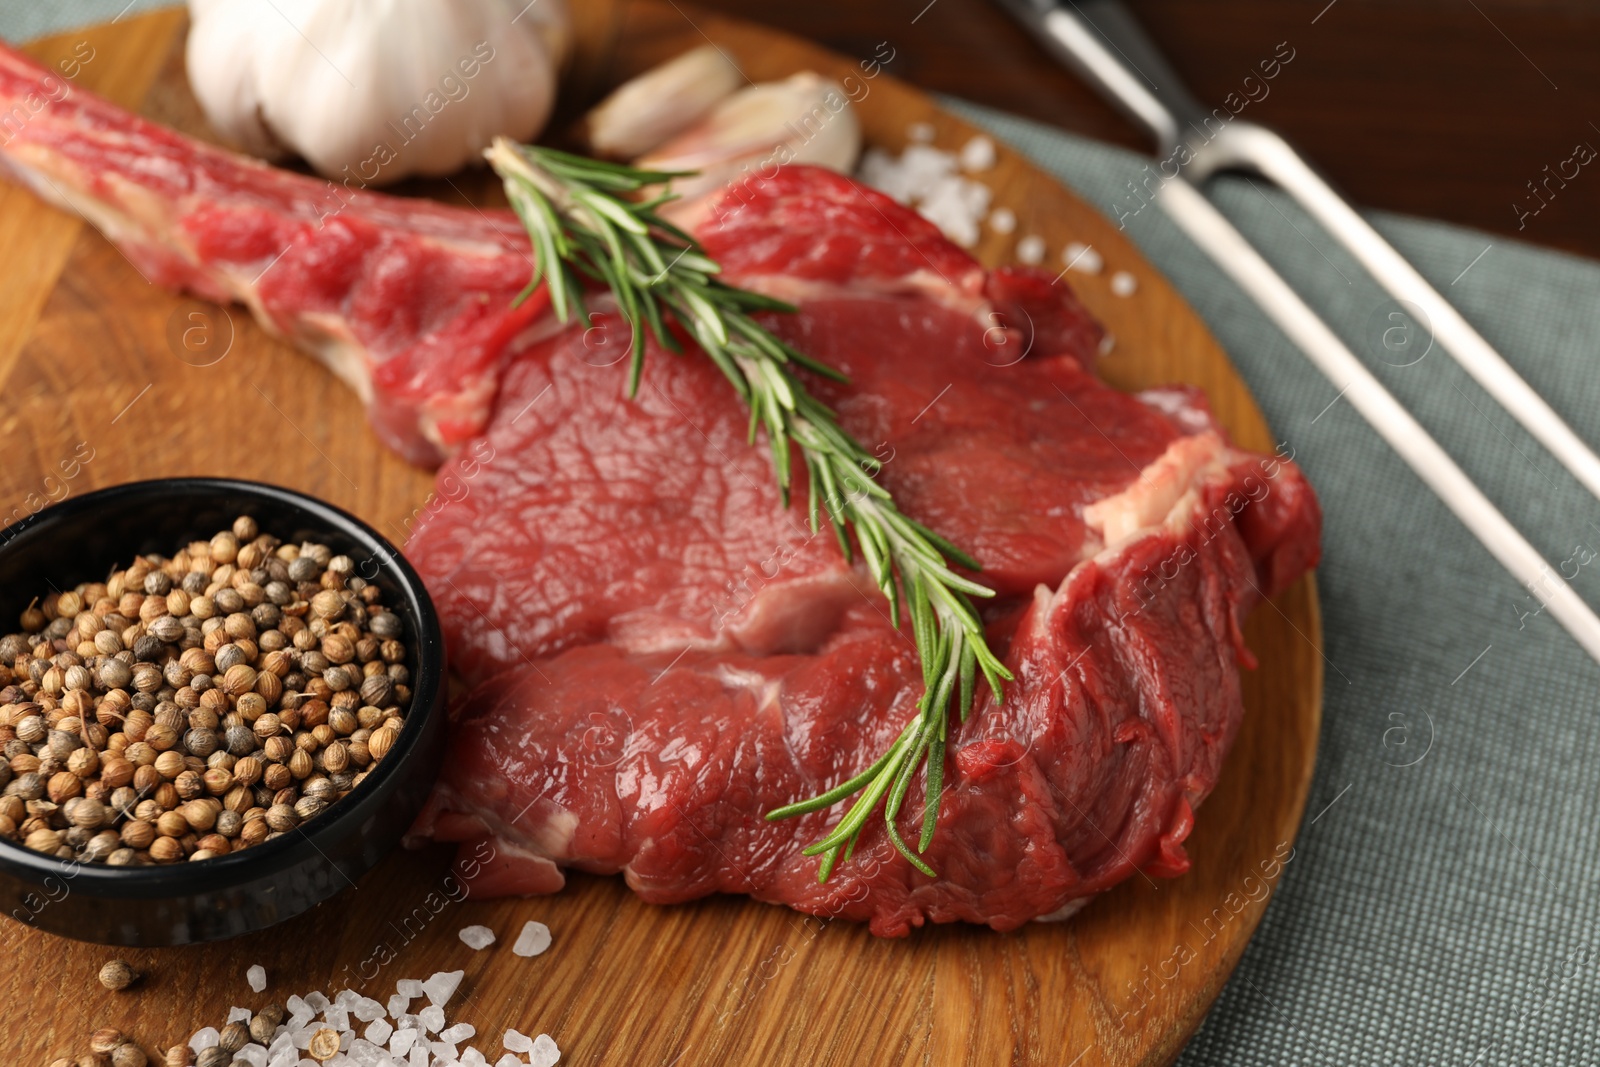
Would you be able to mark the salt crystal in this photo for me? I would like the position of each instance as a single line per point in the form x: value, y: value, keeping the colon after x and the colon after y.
x: 477, y: 938
x: 302, y: 1036
x: 300, y: 1013
x: 239, y: 1015
x: 281, y: 1041
x: 432, y: 1018
x: 410, y: 987
x: 922, y: 166
x: 508, y: 1060
x: 458, y: 1033
x: 252, y: 1054
x: 921, y: 132
x: 1082, y: 257
x: 285, y: 1058
x: 402, y: 1041
x: 366, y: 1009
x: 956, y: 205
x: 516, y: 1042
x: 317, y: 1001
x: 257, y: 977
x: 442, y: 986
x: 977, y: 154
x: 380, y: 1031
x: 1123, y: 283
x: 473, y: 1058
x: 337, y: 1018
x: 419, y: 1056
x: 1002, y: 220
x: 398, y: 1005
x: 204, y: 1039
x: 1031, y: 249
x: 533, y: 940
x: 544, y: 1052
x: 346, y: 998
x: 444, y: 1050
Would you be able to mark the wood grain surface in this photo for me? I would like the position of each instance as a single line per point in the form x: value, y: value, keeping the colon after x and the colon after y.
x: 90, y: 353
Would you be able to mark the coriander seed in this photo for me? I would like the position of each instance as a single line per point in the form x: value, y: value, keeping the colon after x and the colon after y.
x: 106, y: 1039
x: 192, y: 705
x: 324, y: 1044
x: 235, y: 1036
x: 117, y: 975
x: 129, y: 1055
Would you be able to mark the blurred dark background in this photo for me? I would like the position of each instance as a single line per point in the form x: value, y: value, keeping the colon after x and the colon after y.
x: 1441, y: 108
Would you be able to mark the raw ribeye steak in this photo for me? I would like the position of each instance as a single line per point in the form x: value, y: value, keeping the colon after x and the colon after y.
x: 663, y: 653
x: 409, y: 301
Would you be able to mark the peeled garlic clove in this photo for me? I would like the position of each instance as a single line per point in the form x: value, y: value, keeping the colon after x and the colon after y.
x: 661, y: 103
x: 803, y: 119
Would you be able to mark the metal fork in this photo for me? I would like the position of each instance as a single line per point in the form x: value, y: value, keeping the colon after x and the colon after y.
x: 1101, y: 41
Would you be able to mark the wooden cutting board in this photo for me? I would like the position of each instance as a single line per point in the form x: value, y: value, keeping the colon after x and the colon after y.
x: 156, y: 384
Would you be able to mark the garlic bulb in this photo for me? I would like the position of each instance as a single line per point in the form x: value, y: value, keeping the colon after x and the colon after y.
x: 661, y: 103
x: 370, y: 91
x: 803, y: 119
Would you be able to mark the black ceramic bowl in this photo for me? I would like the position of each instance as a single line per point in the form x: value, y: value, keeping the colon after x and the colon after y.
x: 83, y: 539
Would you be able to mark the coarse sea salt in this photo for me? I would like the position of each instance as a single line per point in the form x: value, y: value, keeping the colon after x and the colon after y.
x: 424, y: 1039
x: 533, y: 940
x: 978, y: 154
x: 257, y: 977
x: 1081, y: 257
x: 401, y: 1041
x: 239, y: 1015
x: 927, y: 179
x: 442, y: 986
x: 544, y: 1052
x: 1031, y: 250
x: 1002, y: 220
x: 1123, y: 283
x: 477, y: 938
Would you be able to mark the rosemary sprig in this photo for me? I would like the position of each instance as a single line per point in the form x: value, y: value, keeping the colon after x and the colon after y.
x: 584, y: 226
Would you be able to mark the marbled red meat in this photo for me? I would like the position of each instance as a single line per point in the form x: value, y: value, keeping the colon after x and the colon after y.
x: 663, y: 653
x: 409, y: 301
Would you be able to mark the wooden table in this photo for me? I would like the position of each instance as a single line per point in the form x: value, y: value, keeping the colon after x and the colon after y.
x: 1441, y: 108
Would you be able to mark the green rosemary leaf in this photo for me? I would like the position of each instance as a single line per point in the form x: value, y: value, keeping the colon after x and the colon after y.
x: 588, y: 219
